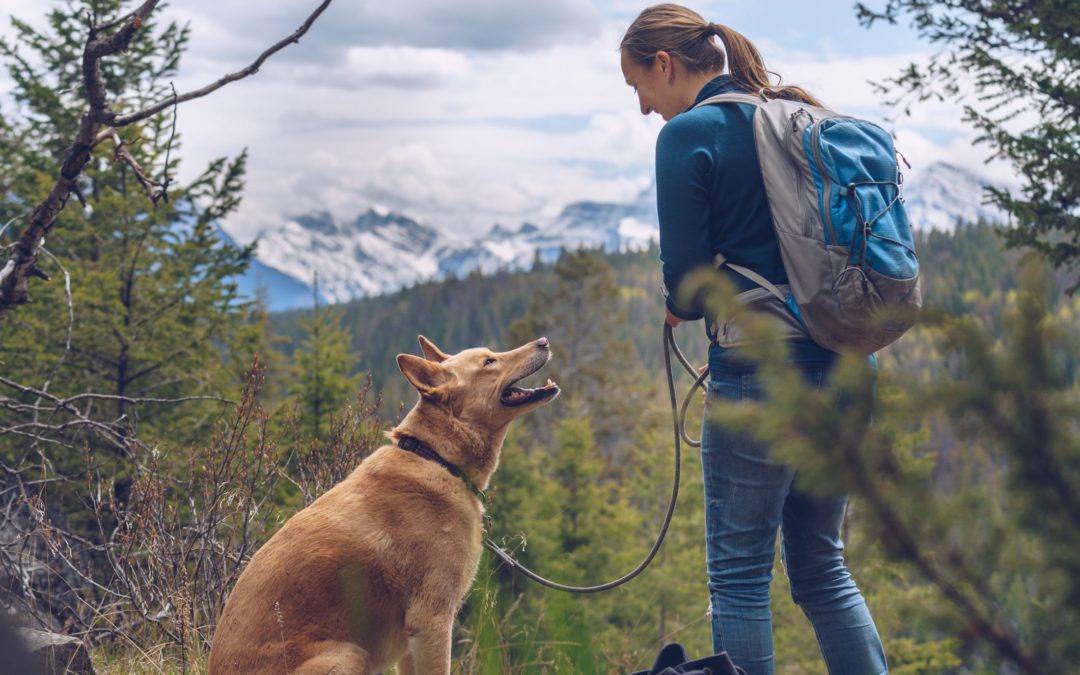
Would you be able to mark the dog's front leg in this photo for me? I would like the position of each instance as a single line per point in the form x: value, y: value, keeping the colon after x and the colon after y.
x: 429, y: 651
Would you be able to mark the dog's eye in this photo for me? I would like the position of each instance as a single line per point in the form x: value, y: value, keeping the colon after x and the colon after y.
x: 488, y: 361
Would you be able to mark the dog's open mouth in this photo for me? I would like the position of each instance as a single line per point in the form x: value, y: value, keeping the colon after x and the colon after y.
x: 514, y: 396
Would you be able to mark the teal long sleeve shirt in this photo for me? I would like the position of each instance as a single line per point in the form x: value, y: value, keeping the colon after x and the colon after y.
x: 711, y: 197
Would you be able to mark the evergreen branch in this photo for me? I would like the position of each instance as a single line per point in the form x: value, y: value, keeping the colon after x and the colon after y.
x: 907, y: 542
x: 131, y: 118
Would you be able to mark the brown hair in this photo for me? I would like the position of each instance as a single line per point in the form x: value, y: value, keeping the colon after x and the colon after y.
x: 684, y: 34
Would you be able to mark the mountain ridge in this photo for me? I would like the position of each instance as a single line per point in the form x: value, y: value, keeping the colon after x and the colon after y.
x: 381, y: 251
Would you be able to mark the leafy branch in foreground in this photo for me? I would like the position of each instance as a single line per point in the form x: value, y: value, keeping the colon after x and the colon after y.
x: 992, y: 528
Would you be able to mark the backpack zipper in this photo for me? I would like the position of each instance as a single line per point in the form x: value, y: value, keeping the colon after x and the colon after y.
x: 815, y: 137
x: 798, y: 170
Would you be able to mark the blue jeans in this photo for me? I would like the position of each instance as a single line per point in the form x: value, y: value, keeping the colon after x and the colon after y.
x: 747, y: 498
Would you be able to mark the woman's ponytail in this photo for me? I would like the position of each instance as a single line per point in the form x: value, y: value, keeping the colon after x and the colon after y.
x: 747, y: 68
x: 684, y: 34
x: 745, y: 64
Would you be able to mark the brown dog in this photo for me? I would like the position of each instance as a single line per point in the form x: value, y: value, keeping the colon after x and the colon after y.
x: 373, y: 572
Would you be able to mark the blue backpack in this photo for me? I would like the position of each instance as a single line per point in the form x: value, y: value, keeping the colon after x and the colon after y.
x: 833, y: 186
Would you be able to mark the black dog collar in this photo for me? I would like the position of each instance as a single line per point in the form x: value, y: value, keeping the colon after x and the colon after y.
x: 417, y: 447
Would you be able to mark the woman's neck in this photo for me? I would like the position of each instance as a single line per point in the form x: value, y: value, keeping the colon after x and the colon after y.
x: 695, y: 82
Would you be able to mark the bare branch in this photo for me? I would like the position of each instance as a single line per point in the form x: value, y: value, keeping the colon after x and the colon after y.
x: 9, y: 267
x: 67, y: 344
x: 168, y: 148
x: 71, y: 321
x: 124, y: 120
x: 112, y: 24
x: 137, y: 401
x: 66, y: 402
x: 154, y: 191
x: 12, y: 221
x: 115, y: 433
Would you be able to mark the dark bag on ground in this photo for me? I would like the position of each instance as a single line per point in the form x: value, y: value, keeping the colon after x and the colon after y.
x: 672, y: 660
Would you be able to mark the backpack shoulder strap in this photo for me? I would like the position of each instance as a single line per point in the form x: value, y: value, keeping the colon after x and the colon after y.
x: 719, y: 260
x: 733, y: 98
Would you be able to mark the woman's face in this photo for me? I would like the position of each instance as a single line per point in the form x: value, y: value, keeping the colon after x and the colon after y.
x: 652, y: 85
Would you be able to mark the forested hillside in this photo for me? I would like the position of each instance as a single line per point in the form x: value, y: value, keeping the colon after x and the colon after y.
x: 583, y: 481
x: 958, y: 268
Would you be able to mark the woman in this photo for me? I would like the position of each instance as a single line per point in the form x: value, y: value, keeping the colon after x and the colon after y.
x: 711, y: 199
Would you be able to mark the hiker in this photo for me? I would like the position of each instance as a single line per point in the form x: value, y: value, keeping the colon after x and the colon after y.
x: 711, y: 199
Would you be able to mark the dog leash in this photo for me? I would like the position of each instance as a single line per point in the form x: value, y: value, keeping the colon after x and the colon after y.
x: 678, y: 416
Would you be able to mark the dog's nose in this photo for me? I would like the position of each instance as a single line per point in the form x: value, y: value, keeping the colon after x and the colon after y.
x: 542, y: 343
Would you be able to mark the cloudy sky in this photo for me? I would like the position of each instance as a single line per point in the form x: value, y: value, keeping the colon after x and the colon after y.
x: 464, y: 113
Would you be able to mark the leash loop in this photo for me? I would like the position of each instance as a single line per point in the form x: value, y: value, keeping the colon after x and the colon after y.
x: 678, y: 416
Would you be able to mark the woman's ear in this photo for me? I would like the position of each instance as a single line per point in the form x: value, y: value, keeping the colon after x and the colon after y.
x: 666, y: 65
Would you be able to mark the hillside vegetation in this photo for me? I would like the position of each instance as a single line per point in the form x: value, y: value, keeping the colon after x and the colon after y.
x: 584, y: 482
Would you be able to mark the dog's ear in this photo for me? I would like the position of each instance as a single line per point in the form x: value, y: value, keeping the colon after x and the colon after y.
x: 431, y: 352
x: 426, y: 376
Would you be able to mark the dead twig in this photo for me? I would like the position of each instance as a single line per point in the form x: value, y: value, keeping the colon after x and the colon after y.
x: 131, y: 118
x: 155, y: 191
x: 70, y: 328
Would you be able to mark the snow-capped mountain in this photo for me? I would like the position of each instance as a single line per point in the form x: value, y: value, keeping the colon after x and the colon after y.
x: 944, y: 194
x: 381, y: 251
x: 613, y: 227
x: 377, y: 252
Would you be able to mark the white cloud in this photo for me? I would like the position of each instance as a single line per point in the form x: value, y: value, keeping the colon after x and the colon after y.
x: 444, y: 152
x: 365, y: 67
x: 625, y: 138
x: 451, y: 24
x: 463, y: 113
x: 410, y: 175
x: 405, y: 66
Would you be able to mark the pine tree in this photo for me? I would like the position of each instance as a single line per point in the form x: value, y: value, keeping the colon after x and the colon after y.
x: 325, y: 368
x: 154, y: 310
x: 142, y: 323
x: 1022, y: 59
x: 585, y: 315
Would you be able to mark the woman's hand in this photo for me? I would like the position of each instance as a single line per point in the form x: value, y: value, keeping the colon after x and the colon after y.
x: 674, y: 321
x: 671, y: 319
